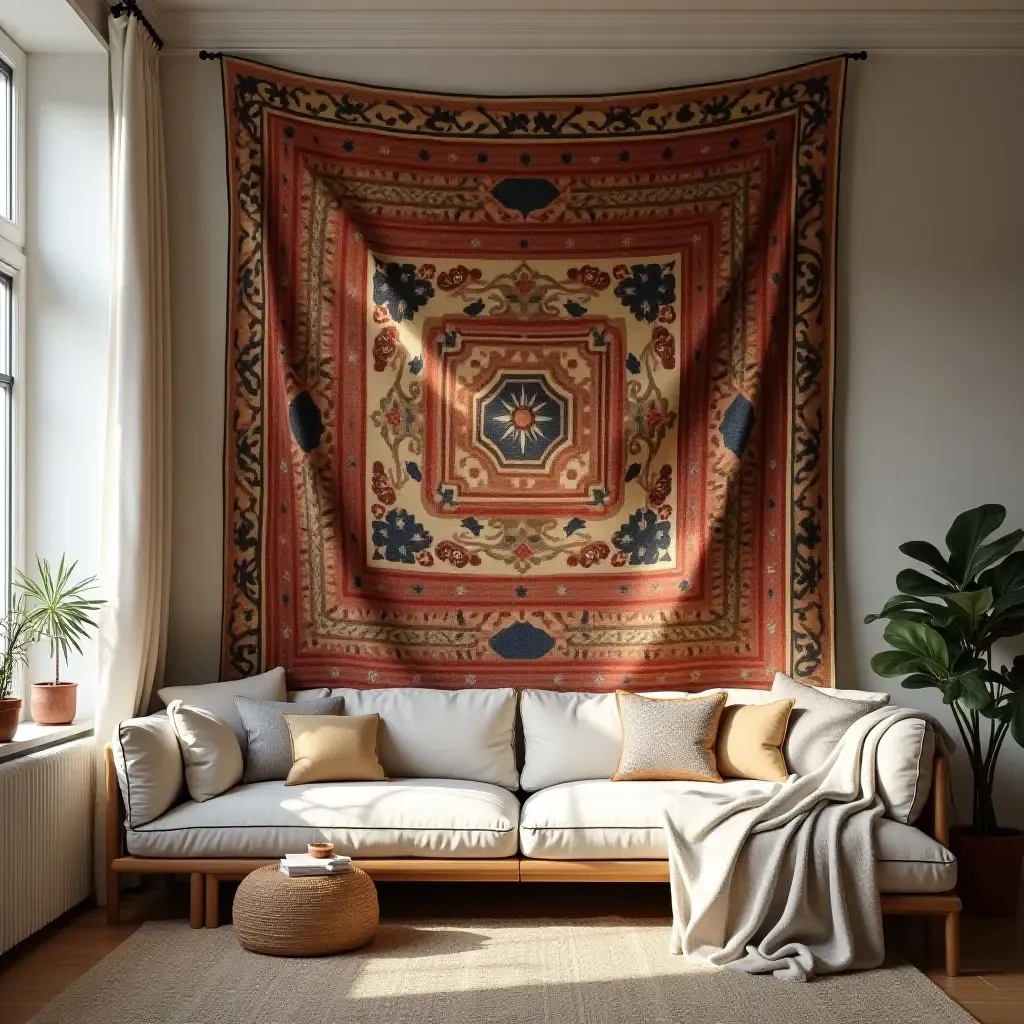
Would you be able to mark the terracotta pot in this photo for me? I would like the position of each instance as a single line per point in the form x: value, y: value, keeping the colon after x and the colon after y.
x: 10, y: 715
x: 988, y: 870
x: 54, y: 705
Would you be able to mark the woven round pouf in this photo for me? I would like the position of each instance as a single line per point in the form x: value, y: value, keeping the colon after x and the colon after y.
x: 316, y: 916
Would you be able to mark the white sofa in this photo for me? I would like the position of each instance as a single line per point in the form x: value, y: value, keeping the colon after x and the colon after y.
x: 465, y: 800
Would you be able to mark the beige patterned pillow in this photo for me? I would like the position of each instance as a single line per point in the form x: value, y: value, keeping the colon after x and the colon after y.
x: 668, y: 739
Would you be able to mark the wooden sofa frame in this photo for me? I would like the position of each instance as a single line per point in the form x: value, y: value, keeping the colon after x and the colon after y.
x: 206, y: 874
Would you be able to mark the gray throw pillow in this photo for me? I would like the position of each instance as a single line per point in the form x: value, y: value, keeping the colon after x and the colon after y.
x: 270, y: 744
x: 817, y: 723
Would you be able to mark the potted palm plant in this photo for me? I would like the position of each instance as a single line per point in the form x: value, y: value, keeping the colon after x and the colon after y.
x: 16, y: 634
x: 941, y: 629
x: 60, y: 611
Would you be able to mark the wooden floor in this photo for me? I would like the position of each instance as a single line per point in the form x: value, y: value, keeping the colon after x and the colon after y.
x: 991, y: 988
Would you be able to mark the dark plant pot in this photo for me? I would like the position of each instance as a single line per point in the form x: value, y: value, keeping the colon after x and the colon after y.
x: 54, y: 704
x: 988, y: 871
x: 10, y: 715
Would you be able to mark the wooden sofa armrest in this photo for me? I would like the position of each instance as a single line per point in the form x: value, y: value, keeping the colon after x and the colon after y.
x: 940, y: 800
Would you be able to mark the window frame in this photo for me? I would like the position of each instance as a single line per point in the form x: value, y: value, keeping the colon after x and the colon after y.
x: 12, y: 230
x: 12, y: 266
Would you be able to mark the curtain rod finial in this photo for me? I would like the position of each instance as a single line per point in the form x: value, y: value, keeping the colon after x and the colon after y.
x: 857, y: 55
x: 209, y: 55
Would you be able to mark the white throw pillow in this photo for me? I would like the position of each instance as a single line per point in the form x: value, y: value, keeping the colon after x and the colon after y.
x: 904, y: 765
x: 442, y: 734
x: 209, y: 750
x: 219, y: 698
x: 148, y: 765
x: 817, y: 723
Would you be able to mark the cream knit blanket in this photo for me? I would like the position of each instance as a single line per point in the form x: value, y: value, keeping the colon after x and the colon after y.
x: 783, y: 880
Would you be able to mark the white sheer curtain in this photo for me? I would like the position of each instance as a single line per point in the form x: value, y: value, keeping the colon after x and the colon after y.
x: 135, y: 566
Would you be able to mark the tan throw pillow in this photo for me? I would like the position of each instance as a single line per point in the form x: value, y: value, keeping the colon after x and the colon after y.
x: 668, y: 739
x: 334, y: 748
x: 750, y: 738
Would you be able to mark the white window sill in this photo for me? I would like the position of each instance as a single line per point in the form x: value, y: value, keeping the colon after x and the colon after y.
x: 31, y: 736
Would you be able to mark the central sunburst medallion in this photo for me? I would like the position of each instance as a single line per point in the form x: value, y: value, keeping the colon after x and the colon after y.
x: 523, y: 420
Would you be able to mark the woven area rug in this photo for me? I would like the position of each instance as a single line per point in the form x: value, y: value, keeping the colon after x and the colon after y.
x: 480, y: 972
x: 530, y: 392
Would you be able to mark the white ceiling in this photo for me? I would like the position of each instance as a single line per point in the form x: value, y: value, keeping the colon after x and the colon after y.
x: 52, y: 26
x: 575, y: 25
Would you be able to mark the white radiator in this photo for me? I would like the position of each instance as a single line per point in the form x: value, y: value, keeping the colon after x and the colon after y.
x: 46, y: 828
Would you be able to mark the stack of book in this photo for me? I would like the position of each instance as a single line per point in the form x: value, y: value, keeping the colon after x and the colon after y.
x: 302, y: 865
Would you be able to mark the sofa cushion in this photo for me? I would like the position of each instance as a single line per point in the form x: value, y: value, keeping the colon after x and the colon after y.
x: 598, y: 820
x: 209, y: 750
x: 668, y: 739
x: 817, y: 723
x: 269, y: 754
x: 443, y: 734
x: 148, y: 764
x: 403, y: 818
x: 602, y: 820
x: 905, y: 763
x: 334, y: 748
x: 218, y: 698
x: 573, y: 736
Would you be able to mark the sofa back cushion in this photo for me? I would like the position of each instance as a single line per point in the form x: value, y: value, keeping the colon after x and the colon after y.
x: 219, y: 698
x: 443, y: 734
x: 569, y: 737
x: 149, y: 769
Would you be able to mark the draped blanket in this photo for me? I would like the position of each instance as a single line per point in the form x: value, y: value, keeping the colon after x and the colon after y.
x: 783, y: 881
x: 530, y: 391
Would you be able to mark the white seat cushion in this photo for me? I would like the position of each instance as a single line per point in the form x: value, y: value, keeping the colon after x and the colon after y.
x: 907, y: 860
x: 600, y: 820
x: 402, y: 818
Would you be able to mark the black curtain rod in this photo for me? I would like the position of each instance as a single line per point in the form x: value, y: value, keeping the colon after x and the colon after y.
x: 132, y: 9
x: 216, y: 54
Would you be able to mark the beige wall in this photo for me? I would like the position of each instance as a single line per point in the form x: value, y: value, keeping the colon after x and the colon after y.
x: 931, y: 349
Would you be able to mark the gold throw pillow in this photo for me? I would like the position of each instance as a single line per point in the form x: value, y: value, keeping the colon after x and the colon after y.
x: 750, y: 738
x: 334, y: 748
x: 672, y: 738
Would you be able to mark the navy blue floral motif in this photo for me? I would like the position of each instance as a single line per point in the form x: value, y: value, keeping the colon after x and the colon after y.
x: 397, y: 537
x: 401, y: 289
x: 646, y: 288
x: 643, y: 537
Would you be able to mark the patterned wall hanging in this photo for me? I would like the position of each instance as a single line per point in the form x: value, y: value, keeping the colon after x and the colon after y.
x: 530, y: 391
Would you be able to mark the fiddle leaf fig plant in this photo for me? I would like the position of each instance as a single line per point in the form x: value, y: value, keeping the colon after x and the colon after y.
x: 941, y: 628
x: 59, y: 610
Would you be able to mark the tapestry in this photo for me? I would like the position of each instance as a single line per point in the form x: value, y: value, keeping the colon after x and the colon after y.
x: 530, y: 391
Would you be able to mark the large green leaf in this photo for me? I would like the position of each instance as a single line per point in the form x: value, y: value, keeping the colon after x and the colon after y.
x: 1000, y: 627
x: 974, y: 694
x: 1007, y: 581
x: 964, y: 538
x: 920, y: 681
x: 989, y: 554
x: 1013, y: 677
x: 1017, y: 719
x: 969, y: 606
x: 919, y: 639
x: 899, y: 663
x: 902, y: 606
x: 916, y: 584
x: 922, y: 551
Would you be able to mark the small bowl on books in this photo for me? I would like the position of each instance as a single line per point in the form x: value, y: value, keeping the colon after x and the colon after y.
x: 320, y: 850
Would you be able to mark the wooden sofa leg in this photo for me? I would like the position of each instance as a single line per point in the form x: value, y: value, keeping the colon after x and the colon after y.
x: 953, y: 944
x: 197, y: 890
x: 113, y: 897
x: 212, y: 901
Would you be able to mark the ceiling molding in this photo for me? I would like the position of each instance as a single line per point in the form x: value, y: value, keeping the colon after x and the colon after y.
x: 569, y: 31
